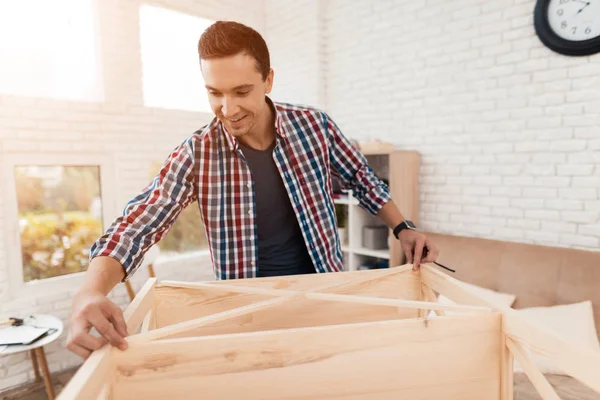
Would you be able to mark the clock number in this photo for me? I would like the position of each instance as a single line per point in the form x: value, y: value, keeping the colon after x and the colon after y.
x: 588, y: 30
x: 563, y: 25
x: 574, y: 30
x: 560, y: 12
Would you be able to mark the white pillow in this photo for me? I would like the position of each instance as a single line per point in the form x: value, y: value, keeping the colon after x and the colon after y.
x: 492, y: 296
x: 573, y: 323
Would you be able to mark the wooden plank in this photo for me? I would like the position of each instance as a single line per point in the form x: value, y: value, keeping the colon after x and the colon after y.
x: 391, y: 359
x: 580, y: 363
x: 90, y: 379
x: 182, y: 302
x: 142, y: 303
x: 535, y: 376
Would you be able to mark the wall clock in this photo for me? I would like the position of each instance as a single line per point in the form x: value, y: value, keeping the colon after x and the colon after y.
x: 569, y: 27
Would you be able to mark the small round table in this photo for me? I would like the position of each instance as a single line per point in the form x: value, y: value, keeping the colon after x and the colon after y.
x: 36, y: 349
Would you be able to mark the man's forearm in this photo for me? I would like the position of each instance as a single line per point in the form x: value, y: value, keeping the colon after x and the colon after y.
x: 103, y: 274
x: 390, y: 214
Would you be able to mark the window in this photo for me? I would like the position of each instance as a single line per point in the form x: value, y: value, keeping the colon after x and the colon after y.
x: 171, y: 76
x: 49, y: 49
x: 57, y: 207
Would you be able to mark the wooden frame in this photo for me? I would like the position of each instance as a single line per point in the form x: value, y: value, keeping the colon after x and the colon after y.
x: 348, y: 335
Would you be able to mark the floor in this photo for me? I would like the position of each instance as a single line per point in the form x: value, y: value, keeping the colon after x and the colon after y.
x: 36, y: 390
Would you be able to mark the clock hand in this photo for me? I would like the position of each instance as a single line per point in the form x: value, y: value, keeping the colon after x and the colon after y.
x: 582, y: 8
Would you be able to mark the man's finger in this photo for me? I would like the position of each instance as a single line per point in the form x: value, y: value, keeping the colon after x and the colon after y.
x: 418, y: 252
x: 432, y: 253
x: 107, y: 330
x: 80, y: 351
x: 119, y: 322
x: 84, y: 339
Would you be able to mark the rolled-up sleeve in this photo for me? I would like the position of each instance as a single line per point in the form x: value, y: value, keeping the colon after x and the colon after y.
x: 356, y: 174
x: 148, y: 217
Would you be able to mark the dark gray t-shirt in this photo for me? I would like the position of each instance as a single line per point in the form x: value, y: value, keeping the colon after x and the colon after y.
x: 281, y: 248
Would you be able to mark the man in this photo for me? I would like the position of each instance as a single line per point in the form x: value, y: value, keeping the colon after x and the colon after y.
x: 261, y: 175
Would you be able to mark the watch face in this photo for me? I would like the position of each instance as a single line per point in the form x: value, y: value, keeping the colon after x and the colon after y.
x: 574, y: 20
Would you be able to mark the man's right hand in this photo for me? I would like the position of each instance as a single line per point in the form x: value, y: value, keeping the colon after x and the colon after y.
x: 95, y: 310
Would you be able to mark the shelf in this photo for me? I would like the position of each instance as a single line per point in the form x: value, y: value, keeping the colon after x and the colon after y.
x: 385, y: 253
x: 347, y: 200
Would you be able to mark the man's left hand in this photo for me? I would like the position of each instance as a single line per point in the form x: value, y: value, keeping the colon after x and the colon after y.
x: 414, y: 243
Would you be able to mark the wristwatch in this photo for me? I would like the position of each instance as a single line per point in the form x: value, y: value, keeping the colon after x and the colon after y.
x: 406, y: 224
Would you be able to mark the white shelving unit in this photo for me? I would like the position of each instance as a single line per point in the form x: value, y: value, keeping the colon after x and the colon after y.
x: 355, y: 255
x: 400, y: 168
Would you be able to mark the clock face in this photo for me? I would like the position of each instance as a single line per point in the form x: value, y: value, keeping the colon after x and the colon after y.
x: 575, y: 20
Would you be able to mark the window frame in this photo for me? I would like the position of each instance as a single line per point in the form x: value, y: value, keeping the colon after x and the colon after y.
x: 18, y: 288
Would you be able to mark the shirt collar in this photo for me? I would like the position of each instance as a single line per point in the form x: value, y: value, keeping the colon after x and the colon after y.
x: 233, y: 143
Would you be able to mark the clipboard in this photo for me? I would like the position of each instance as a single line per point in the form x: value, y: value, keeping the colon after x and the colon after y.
x: 22, y: 334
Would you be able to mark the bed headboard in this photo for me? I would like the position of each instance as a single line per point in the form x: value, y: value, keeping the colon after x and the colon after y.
x: 537, y: 275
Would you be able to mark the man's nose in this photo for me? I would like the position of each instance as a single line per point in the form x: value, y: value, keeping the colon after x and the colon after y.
x: 229, y: 107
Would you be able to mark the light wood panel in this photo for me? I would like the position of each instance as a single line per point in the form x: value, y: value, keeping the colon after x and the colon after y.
x: 391, y: 359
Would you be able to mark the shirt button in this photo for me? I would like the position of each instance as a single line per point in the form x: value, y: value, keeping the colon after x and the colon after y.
x: 249, y: 185
x: 252, y: 263
x: 249, y: 212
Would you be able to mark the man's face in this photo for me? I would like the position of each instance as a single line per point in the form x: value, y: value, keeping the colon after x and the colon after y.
x: 236, y: 91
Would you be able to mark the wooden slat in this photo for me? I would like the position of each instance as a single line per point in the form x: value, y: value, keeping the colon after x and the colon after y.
x: 140, y: 306
x: 448, y: 358
x: 90, y: 379
x: 507, y: 387
x: 311, y: 281
x: 535, y: 376
x: 341, y: 298
x: 187, y: 326
x: 149, y: 322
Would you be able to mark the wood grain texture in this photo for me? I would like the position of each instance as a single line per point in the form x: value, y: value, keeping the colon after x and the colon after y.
x: 380, y: 360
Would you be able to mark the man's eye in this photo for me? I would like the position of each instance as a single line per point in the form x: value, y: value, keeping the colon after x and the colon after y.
x: 243, y: 93
x: 217, y: 94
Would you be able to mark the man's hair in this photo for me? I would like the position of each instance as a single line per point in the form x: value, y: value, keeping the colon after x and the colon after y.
x: 228, y: 38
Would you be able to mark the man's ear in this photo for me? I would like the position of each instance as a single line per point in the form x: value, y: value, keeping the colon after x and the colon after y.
x: 269, y: 81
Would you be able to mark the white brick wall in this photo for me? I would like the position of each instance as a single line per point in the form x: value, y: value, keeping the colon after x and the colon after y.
x: 509, y: 131
x: 121, y: 126
x: 293, y: 33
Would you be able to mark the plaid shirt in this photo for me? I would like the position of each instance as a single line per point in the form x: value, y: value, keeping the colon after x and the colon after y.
x: 210, y: 169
